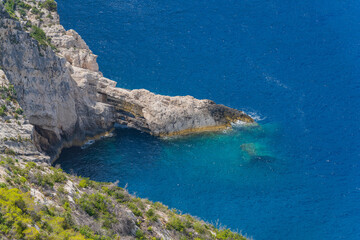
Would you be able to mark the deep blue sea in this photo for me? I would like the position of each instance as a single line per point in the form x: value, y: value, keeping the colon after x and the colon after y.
x: 293, y: 65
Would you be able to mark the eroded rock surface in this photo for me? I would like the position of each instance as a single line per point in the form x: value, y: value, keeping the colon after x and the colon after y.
x: 54, y: 104
x: 16, y: 133
x: 66, y: 97
x: 164, y: 115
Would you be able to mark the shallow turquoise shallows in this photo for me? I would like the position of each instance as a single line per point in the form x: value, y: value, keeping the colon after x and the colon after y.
x: 293, y: 65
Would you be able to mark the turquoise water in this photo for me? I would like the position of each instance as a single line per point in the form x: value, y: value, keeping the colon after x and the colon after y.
x: 292, y: 65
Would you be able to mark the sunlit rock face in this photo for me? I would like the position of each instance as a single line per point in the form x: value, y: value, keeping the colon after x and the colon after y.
x: 51, y: 99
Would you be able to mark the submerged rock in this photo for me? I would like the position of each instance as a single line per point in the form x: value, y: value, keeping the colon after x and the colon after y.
x: 257, y: 153
x: 249, y: 148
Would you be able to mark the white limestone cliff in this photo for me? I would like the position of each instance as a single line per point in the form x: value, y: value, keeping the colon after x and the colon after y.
x: 66, y: 98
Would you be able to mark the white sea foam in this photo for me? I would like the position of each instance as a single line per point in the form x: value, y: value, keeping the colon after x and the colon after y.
x: 227, y: 130
x: 108, y: 135
x: 87, y: 144
x: 274, y: 80
x: 256, y: 116
x: 239, y: 123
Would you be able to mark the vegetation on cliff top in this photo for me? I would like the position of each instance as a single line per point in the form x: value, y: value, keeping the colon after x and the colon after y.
x: 22, y: 218
x: 12, y: 7
x: 42, y: 202
x: 49, y: 5
x: 38, y: 34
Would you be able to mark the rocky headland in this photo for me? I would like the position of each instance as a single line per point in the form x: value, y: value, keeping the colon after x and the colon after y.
x: 53, y: 96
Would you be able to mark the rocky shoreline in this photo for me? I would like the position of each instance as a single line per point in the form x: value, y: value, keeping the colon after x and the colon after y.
x: 66, y: 97
x: 53, y: 96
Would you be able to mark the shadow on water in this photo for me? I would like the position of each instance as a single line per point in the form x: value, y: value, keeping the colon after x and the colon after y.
x: 131, y: 150
x: 204, y: 174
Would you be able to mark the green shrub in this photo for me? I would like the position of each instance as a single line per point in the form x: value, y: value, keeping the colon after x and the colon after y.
x: 44, y: 179
x: 22, y: 12
x: 11, y: 90
x: 35, y: 11
x: 140, y: 235
x: 68, y: 221
x: 226, y: 234
x: 83, y: 183
x: 89, y: 234
x: 10, y: 8
x: 30, y: 165
x: 49, y: 5
x: 39, y: 35
x: 108, y: 220
x: 58, y: 176
x: 160, y: 206
x: 150, y: 212
x: 2, y: 113
x: 62, y: 190
x: 200, y: 228
x: 134, y: 209
x: 176, y: 223
x: 19, y: 111
x: 151, y: 215
x: 94, y: 204
x: 22, y: 179
x: 117, y: 193
x: 24, y: 5
x: 18, y: 217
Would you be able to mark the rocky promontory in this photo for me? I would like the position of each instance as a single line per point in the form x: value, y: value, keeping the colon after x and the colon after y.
x: 52, y: 95
x: 66, y: 97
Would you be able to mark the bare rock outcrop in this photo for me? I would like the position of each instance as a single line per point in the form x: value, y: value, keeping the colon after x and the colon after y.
x: 16, y: 133
x: 52, y: 101
x: 165, y: 116
x: 66, y: 97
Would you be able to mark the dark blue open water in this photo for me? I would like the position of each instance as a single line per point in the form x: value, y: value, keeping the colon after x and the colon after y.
x: 293, y: 64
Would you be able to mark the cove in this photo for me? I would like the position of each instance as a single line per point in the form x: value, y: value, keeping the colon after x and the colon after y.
x: 294, y: 65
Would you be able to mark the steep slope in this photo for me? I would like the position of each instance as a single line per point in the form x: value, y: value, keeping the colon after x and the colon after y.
x: 41, y: 202
x: 51, y: 99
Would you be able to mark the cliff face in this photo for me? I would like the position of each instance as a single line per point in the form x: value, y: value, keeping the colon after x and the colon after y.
x: 16, y: 133
x: 53, y: 95
x: 59, y: 110
x: 66, y: 98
